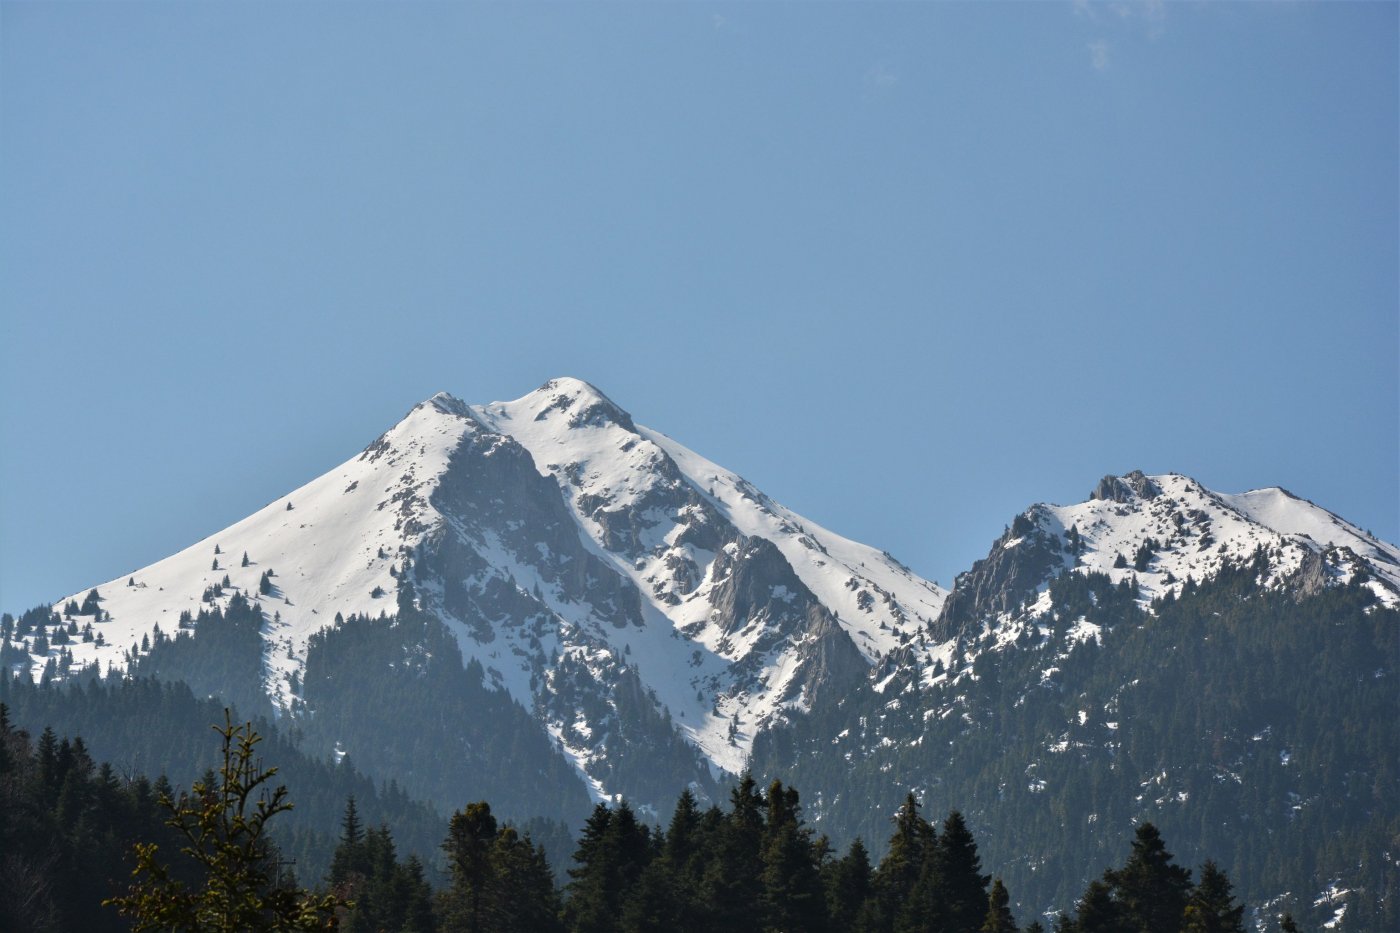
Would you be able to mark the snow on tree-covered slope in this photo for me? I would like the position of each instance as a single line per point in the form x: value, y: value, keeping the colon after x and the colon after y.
x: 328, y: 545
x: 568, y: 550
x: 620, y: 585
x: 1161, y: 531
x: 1195, y: 530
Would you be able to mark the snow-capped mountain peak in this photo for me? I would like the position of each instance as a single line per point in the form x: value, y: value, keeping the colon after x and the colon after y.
x: 550, y: 534
x: 1159, y: 531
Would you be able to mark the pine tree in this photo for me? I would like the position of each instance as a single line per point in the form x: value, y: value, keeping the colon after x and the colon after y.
x: 1211, y: 907
x: 998, y: 919
x: 912, y: 843
x: 612, y: 853
x: 792, y: 897
x: 223, y: 822
x: 1151, y: 890
x: 470, y: 835
x: 349, y: 858
x: 732, y: 887
x: 245, y: 561
x: 961, y: 887
x: 848, y: 887
x: 523, y: 898
x: 1098, y: 912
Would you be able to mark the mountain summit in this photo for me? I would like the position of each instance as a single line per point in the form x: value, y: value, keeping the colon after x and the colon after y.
x: 616, y: 584
x: 542, y: 603
x: 548, y: 532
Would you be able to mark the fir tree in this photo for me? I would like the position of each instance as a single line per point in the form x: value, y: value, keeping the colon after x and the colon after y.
x: 848, y: 887
x: 1098, y: 912
x: 470, y: 835
x: 1211, y: 907
x: 998, y: 919
x: 223, y: 821
x: 523, y: 896
x: 894, y: 881
x: 1151, y: 890
x: 792, y: 897
x: 349, y: 859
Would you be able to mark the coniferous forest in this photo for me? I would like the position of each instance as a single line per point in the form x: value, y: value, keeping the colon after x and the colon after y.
x: 1293, y: 782
x: 85, y: 847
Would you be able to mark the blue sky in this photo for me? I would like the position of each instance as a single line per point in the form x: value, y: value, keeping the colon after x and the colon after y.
x: 907, y: 267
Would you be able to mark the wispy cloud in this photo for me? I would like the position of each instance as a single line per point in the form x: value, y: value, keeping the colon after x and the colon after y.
x: 1098, y: 55
x: 1120, y: 18
x: 880, y: 77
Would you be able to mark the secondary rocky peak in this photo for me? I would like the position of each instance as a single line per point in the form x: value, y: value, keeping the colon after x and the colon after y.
x: 1125, y: 488
x: 449, y: 404
x: 583, y: 404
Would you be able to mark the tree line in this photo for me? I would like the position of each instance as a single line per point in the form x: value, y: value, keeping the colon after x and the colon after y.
x: 82, y: 847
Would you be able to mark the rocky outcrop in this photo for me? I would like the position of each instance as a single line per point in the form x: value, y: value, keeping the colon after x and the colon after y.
x: 492, y: 489
x: 829, y: 660
x: 1027, y: 555
x: 1125, y: 488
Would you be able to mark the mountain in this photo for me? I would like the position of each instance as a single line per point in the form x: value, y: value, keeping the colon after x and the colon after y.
x: 544, y: 604
x: 608, y: 580
x: 1160, y: 531
x: 1221, y: 665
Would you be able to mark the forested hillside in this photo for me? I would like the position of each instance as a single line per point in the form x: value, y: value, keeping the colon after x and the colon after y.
x: 71, y: 832
x: 1254, y: 727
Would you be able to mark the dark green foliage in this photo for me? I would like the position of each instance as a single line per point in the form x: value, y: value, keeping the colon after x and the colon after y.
x: 117, y: 717
x: 1150, y: 890
x: 950, y: 893
x: 384, y: 894
x: 1255, y: 727
x: 218, y: 652
x: 67, y: 827
x: 1098, y: 912
x: 849, y: 887
x: 395, y: 693
x: 999, y: 918
x: 895, y: 879
x: 500, y: 881
x: 1211, y: 907
x: 612, y: 853
x: 470, y: 835
x: 793, y: 897
x: 222, y: 823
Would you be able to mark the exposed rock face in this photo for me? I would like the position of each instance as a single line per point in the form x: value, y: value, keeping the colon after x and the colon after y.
x: 1124, y: 488
x: 1312, y: 575
x: 756, y: 581
x: 492, y: 496
x: 1022, y: 559
x: 830, y: 662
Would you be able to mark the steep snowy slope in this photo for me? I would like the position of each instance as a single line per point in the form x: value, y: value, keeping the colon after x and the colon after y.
x: 595, y: 569
x: 328, y: 547
x: 689, y: 535
x: 645, y: 499
x: 1160, y: 531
